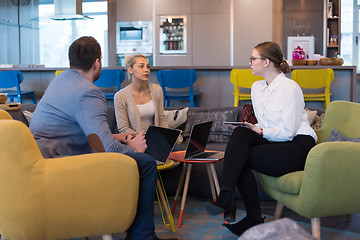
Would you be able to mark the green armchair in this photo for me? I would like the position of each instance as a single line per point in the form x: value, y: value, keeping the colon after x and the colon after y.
x: 69, y: 197
x: 330, y: 182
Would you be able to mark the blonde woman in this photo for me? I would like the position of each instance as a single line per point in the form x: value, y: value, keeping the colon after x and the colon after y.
x: 140, y: 104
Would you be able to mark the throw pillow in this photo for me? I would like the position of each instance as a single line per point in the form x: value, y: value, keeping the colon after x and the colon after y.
x: 284, y: 228
x: 318, y: 121
x: 176, y: 117
x: 219, y: 133
x: 248, y: 114
x: 336, y: 136
x: 311, y: 115
x: 28, y: 115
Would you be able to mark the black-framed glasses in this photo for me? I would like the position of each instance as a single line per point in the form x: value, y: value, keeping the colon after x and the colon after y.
x: 254, y: 58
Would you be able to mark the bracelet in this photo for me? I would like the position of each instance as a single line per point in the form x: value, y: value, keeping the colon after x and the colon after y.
x: 261, y: 132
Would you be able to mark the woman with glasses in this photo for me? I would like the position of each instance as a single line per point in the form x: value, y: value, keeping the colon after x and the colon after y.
x: 278, y: 144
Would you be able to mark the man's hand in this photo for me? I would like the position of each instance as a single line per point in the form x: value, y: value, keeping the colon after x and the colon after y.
x: 138, y: 143
x: 122, y: 137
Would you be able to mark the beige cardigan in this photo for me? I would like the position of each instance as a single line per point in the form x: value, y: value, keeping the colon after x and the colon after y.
x: 127, y: 113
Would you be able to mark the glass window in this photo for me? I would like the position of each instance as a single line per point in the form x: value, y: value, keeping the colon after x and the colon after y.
x: 56, y: 36
x: 346, y: 43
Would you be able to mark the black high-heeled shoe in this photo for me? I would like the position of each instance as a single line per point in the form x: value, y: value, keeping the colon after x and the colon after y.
x: 222, y: 204
x: 243, y: 225
x: 230, y: 216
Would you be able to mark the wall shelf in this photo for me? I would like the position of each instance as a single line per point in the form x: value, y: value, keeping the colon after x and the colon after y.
x: 332, y: 26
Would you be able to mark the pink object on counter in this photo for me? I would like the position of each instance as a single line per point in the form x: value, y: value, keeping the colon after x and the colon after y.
x: 298, y: 53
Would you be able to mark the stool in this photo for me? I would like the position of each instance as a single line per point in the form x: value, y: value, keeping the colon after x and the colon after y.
x: 161, y: 193
x: 213, y: 180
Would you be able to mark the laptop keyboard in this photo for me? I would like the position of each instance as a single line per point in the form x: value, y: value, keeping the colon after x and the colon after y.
x: 205, y: 155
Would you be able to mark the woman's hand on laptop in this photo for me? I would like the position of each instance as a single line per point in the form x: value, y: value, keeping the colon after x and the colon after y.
x: 138, y: 142
x: 254, y: 128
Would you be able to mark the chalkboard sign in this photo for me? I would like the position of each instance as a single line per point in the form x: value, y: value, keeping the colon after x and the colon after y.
x: 303, y: 18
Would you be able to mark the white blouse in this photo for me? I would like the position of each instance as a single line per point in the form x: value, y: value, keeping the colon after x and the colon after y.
x: 279, y: 109
x: 147, y: 113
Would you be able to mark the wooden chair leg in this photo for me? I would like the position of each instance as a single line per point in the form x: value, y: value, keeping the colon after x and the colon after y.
x: 278, y: 210
x: 186, y: 186
x: 349, y: 218
x: 215, y: 178
x: 315, y: 227
x: 181, y: 182
x: 211, y: 182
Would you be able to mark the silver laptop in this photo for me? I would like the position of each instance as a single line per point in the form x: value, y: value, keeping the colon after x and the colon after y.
x: 160, y: 142
x: 195, y: 149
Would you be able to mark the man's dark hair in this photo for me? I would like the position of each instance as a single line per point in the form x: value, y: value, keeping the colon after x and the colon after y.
x: 83, y: 53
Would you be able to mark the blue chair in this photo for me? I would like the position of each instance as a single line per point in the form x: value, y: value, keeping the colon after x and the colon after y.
x: 13, y: 79
x: 178, y: 79
x: 110, y: 78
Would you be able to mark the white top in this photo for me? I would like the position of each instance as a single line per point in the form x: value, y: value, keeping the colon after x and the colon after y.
x: 279, y: 109
x: 147, y: 113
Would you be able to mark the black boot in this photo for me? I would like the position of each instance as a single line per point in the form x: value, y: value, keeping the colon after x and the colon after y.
x: 222, y: 204
x: 246, y: 223
x: 230, y: 216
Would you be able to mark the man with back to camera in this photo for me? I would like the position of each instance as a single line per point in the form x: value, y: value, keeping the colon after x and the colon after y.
x: 72, y: 108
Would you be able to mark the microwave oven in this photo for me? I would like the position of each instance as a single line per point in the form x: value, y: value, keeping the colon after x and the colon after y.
x: 134, y: 32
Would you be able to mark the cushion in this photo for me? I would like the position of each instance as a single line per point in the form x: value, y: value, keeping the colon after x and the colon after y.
x: 318, y: 121
x: 175, y: 118
x: 289, y: 183
x: 219, y: 133
x: 311, y: 115
x: 284, y: 228
x: 248, y: 114
x: 28, y: 115
x: 336, y: 136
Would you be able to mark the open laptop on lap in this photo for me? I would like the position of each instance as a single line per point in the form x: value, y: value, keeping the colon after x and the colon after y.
x: 160, y: 142
x: 195, y: 149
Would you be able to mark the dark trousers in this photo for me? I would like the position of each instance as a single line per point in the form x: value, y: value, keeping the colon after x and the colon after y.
x: 247, y: 150
x: 143, y: 225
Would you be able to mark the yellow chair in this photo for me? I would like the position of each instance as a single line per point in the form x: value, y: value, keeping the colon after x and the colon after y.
x: 69, y: 197
x: 4, y: 115
x: 315, y: 79
x: 58, y: 72
x: 97, y: 146
x: 242, y: 78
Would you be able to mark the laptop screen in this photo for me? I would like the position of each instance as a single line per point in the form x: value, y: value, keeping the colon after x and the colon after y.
x: 198, y: 138
x: 160, y: 142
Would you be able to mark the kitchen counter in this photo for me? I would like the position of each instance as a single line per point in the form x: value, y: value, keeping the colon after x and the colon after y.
x: 51, y: 69
x: 213, y: 82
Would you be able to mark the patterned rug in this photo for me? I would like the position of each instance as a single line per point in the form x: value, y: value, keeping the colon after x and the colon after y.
x: 197, y: 224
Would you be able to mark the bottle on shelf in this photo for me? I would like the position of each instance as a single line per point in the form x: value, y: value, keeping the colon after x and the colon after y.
x: 330, y: 9
x: 173, y: 35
